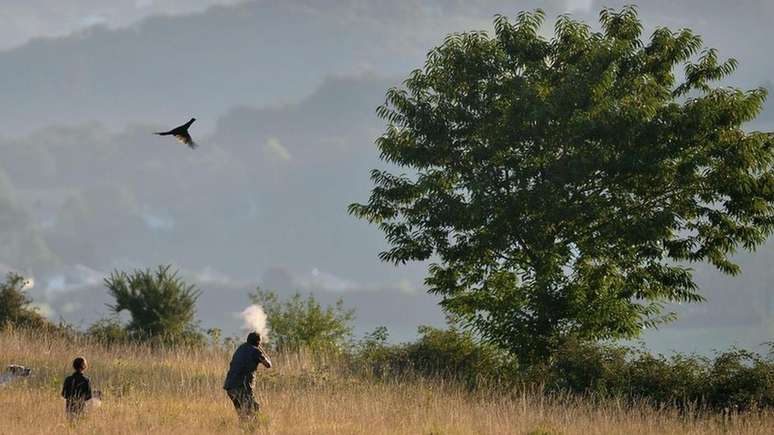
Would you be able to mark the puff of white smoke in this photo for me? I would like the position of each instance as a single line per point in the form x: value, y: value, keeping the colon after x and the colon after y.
x: 255, y: 320
x: 28, y: 283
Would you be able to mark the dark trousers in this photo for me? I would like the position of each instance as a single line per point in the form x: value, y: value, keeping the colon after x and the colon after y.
x: 74, y: 408
x: 244, y: 402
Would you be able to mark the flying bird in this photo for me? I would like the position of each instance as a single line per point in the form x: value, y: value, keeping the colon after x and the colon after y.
x: 181, y: 134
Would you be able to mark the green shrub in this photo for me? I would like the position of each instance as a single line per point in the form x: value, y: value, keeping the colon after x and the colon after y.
x: 454, y: 354
x: 376, y: 358
x: 741, y: 380
x: 732, y: 380
x: 582, y: 367
x: 678, y: 380
x: 162, y: 306
x: 300, y: 322
x: 15, y: 307
x: 448, y: 354
x: 108, y: 331
x: 735, y: 380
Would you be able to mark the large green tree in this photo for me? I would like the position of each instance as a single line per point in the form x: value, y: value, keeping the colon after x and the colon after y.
x: 562, y: 187
x: 161, y: 304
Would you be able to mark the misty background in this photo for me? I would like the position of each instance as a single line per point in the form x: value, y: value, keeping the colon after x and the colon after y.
x: 284, y: 93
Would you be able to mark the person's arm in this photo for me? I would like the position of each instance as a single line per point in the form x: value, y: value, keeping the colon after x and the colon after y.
x: 64, y: 388
x: 264, y: 358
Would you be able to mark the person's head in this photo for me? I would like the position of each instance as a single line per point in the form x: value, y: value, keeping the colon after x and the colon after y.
x: 254, y: 338
x: 80, y: 364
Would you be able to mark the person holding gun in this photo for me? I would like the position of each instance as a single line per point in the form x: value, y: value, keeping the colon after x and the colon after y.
x: 241, y: 375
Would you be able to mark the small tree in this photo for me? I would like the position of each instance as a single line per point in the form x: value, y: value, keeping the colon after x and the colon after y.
x: 161, y: 304
x: 562, y: 185
x: 15, y: 304
x: 299, y: 322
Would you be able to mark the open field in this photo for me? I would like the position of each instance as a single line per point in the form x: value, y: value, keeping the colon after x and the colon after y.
x: 179, y: 391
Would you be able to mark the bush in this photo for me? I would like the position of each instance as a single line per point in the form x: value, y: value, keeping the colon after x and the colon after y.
x: 163, y: 306
x: 15, y: 307
x: 741, y: 380
x: 303, y: 323
x: 448, y: 354
x: 374, y: 357
x: 454, y: 354
x: 583, y: 367
x: 108, y: 331
x: 733, y: 380
x: 679, y: 379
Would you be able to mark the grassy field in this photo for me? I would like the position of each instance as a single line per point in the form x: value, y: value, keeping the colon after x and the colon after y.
x: 179, y: 391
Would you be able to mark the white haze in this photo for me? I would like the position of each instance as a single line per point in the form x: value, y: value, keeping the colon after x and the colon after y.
x: 255, y: 320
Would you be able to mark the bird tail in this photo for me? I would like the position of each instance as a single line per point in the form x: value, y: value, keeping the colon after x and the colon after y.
x: 162, y: 133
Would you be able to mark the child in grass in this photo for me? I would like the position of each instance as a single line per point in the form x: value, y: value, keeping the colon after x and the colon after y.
x: 76, y: 389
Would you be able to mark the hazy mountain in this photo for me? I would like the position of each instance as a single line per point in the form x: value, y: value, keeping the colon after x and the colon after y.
x: 257, y: 52
x: 265, y: 193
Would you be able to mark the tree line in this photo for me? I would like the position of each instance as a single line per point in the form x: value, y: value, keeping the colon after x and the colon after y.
x: 734, y: 379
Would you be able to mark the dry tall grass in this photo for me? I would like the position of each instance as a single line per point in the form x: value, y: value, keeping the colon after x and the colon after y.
x: 177, y: 391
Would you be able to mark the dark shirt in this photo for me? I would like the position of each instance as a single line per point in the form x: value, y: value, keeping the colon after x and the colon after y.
x: 77, y: 390
x: 244, y: 363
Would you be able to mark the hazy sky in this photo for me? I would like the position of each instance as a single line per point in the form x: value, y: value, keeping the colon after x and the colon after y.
x: 21, y: 20
x: 284, y: 93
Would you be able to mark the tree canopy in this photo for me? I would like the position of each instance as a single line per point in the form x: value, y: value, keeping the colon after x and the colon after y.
x: 561, y: 187
x: 161, y: 304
